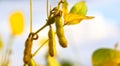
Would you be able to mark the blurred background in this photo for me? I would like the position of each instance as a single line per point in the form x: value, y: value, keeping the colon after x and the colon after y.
x: 83, y: 39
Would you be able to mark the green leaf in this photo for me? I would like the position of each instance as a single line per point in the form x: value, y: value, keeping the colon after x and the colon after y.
x: 79, y: 8
x: 106, y: 57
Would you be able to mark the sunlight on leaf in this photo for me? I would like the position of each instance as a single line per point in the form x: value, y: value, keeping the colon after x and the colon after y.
x: 1, y: 43
x: 106, y: 56
x: 17, y: 23
x: 52, y: 61
x: 32, y: 63
x: 65, y: 7
x: 79, y: 8
x: 71, y: 19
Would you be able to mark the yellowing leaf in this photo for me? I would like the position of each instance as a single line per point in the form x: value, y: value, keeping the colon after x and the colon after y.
x: 71, y: 19
x: 52, y: 61
x: 1, y: 43
x: 65, y: 7
x: 79, y: 8
x: 109, y: 63
x: 32, y: 63
x: 17, y: 23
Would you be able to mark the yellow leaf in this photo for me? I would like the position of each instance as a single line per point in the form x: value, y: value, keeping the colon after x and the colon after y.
x: 17, y: 23
x: 1, y: 43
x: 71, y: 19
x: 52, y: 61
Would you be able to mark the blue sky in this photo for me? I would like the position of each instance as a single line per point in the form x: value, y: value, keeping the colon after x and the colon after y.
x: 83, y: 39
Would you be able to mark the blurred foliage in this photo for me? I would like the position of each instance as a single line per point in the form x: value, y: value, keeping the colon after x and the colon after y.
x: 51, y: 61
x: 106, y: 57
x: 17, y: 23
x: 1, y: 43
x: 43, y: 40
x: 66, y: 63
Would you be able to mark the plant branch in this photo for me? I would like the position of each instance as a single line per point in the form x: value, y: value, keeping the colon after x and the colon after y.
x: 40, y: 29
x: 30, y: 15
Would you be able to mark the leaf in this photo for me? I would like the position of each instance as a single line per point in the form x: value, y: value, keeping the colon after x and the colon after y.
x: 1, y: 43
x: 106, y: 57
x: 66, y: 63
x: 17, y: 23
x: 52, y: 61
x: 71, y: 19
x: 79, y: 8
x: 32, y: 63
x: 65, y: 7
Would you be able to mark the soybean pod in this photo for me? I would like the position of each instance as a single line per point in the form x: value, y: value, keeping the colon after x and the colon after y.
x: 52, y: 43
x: 60, y: 31
x: 27, y: 51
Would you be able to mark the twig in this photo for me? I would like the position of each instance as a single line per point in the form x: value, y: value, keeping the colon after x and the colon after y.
x: 40, y: 29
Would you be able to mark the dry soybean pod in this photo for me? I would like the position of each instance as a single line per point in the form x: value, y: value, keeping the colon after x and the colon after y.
x: 28, y: 48
x: 60, y: 30
x: 52, y: 44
